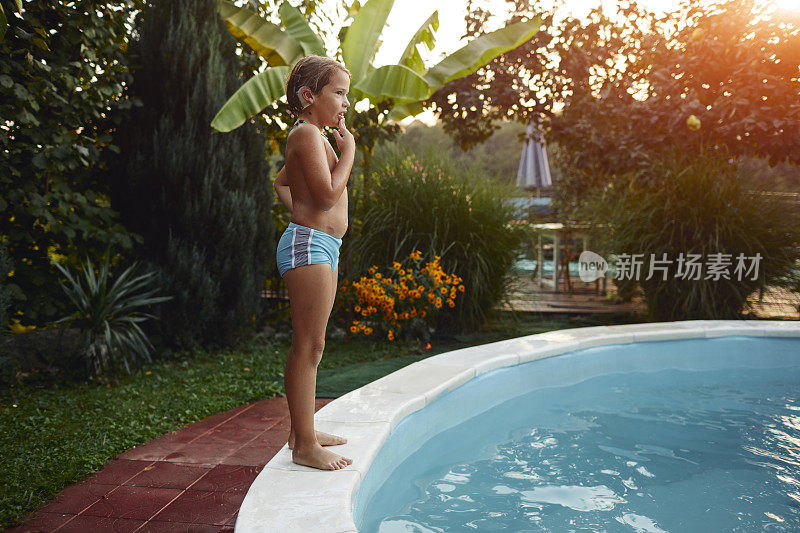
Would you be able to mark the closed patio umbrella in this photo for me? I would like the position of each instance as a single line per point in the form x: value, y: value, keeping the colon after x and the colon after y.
x: 534, y: 169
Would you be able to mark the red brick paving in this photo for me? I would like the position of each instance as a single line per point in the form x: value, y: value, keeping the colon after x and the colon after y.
x: 192, y: 480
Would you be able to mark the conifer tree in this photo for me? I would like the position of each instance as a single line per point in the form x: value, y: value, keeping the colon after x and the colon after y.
x: 200, y: 199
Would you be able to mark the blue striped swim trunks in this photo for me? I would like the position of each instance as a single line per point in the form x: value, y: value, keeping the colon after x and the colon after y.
x: 301, y: 245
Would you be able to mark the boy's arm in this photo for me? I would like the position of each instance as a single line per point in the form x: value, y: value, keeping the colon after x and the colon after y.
x: 281, y: 187
x: 324, y: 185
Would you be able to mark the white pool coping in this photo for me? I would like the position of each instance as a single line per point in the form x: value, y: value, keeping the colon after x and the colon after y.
x: 286, y: 497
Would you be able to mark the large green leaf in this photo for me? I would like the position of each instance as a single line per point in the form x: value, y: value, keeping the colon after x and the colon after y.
x: 297, y: 27
x: 481, y: 51
x: 353, y: 8
x: 394, y: 81
x: 362, y: 36
x: 267, y: 39
x: 257, y: 93
x: 401, y: 111
x: 425, y: 34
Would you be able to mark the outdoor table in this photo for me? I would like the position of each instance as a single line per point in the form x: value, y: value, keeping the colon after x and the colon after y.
x: 557, y: 231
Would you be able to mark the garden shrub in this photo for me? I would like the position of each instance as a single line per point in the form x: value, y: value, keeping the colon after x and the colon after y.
x: 693, y: 204
x: 63, y: 68
x: 200, y: 199
x: 426, y: 203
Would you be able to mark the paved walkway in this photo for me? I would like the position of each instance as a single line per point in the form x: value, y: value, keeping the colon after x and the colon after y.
x: 191, y: 480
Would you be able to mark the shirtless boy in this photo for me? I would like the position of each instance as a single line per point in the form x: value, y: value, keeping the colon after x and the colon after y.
x: 313, y: 186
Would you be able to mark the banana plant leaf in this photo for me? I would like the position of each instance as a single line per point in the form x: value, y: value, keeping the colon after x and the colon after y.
x: 409, y: 109
x: 425, y: 34
x: 481, y: 51
x: 359, y: 42
x: 277, y: 47
x: 257, y: 93
x: 475, y: 54
x: 297, y: 27
x: 395, y: 82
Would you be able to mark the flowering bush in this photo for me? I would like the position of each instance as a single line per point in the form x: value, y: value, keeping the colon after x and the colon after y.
x: 425, y: 202
x: 400, y: 302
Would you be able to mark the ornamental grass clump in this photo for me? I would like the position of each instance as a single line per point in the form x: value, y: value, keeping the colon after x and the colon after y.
x: 108, y: 317
x: 400, y: 302
x: 693, y: 205
x: 426, y: 202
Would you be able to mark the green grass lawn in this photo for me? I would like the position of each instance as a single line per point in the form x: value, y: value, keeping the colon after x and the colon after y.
x: 52, y: 434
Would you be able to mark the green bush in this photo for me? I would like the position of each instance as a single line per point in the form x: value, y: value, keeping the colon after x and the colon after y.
x: 693, y: 203
x: 425, y: 203
x: 63, y: 68
x: 201, y: 200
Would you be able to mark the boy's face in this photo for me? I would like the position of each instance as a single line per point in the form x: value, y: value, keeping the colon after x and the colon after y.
x: 332, y: 101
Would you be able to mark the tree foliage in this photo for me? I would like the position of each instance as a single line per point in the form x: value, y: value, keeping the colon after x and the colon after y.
x: 62, y: 70
x: 201, y: 200
x: 733, y: 64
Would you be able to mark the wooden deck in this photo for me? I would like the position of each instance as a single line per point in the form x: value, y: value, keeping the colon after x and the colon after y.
x: 526, y: 295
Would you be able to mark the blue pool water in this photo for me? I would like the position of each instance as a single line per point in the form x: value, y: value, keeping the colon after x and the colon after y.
x: 702, y: 435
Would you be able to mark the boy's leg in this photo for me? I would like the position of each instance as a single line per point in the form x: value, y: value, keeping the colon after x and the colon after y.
x: 325, y: 439
x: 310, y: 293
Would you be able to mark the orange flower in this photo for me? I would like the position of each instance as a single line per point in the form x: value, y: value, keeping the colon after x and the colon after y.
x: 353, y: 329
x: 461, y: 288
x: 358, y: 308
x: 451, y: 304
x: 367, y: 331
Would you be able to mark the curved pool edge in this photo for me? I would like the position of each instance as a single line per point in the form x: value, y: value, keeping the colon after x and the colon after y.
x: 287, y: 497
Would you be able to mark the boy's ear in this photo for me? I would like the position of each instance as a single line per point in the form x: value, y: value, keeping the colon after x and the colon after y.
x: 303, y: 102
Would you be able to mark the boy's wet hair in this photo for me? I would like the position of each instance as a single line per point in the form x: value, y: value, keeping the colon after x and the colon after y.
x: 314, y: 72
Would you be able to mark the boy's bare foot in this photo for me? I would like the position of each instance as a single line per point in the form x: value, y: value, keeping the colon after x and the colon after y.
x: 325, y: 439
x: 316, y: 456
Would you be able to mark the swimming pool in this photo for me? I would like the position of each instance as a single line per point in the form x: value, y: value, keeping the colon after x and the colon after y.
x: 494, y: 433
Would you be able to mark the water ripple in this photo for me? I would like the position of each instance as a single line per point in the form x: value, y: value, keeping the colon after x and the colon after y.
x: 671, y: 450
